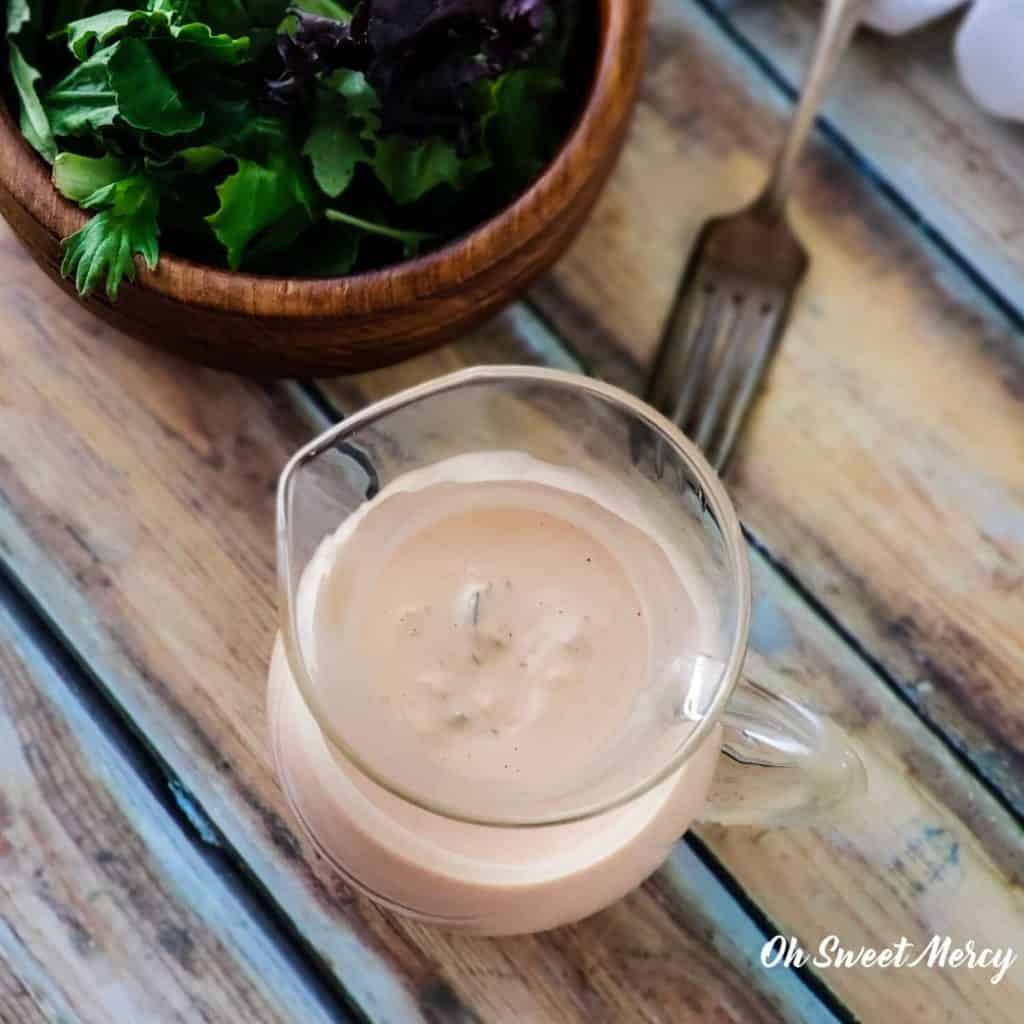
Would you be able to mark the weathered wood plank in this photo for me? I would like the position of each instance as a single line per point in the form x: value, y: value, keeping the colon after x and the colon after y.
x: 943, y: 858
x: 516, y: 336
x: 19, y: 1004
x: 107, y: 911
x: 136, y: 502
x: 885, y: 464
x: 901, y: 104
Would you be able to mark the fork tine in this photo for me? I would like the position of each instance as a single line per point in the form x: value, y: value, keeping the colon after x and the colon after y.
x: 722, y: 378
x: 696, y: 347
x: 723, y: 329
x: 676, y: 349
x: 763, y: 332
x: 685, y: 344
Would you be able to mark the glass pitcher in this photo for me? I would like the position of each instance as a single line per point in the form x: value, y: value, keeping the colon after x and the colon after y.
x: 702, y: 741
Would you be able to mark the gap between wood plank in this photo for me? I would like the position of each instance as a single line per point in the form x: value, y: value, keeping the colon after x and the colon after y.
x: 166, y: 789
x: 36, y: 985
x: 817, y: 987
x: 863, y: 164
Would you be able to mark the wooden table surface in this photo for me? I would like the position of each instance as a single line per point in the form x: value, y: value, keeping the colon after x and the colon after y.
x: 149, y: 871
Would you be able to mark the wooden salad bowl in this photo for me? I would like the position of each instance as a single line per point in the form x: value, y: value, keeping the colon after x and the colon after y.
x: 281, y: 326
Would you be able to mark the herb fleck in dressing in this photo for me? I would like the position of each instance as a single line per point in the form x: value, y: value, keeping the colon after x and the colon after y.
x: 493, y: 625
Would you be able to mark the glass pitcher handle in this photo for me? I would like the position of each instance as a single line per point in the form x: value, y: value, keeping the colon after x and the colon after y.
x: 781, y: 763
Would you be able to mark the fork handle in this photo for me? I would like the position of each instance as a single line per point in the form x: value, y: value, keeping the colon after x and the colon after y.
x: 837, y: 26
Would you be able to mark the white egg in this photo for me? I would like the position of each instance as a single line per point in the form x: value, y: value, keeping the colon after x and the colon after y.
x: 898, y: 16
x: 990, y: 56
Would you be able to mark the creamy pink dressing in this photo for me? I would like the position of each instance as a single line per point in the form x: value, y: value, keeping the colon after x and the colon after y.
x: 494, y: 634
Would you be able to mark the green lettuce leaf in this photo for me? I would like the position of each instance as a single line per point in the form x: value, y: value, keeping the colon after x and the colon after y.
x: 177, y: 45
x: 360, y: 98
x: 33, y: 120
x: 334, y: 147
x: 99, y: 30
x: 408, y: 170
x: 79, y: 177
x: 19, y: 14
x: 195, y: 43
x: 119, y: 82
x: 324, y: 250
x: 230, y: 17
x: 146, y: 98
x: 200, y: 159
x: 84, y: 100
x: 264, y: 254
x: 519, y: 134
x: 342, y: 132
x: 255, y: 197
x: 331, y: 252
x: 105, y: 249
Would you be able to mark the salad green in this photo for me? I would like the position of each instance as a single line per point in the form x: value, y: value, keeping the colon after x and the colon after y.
x: 316, y: 141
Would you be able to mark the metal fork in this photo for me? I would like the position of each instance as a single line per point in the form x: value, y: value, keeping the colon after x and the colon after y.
x: 737, y: 291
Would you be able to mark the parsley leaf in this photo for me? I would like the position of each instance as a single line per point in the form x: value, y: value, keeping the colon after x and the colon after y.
x: 105, y: 249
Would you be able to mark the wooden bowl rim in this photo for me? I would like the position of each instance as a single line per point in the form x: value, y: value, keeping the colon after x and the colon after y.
x: 622, y: 38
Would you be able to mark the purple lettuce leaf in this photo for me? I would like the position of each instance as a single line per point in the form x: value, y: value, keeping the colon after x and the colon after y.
x: 422, y: 57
